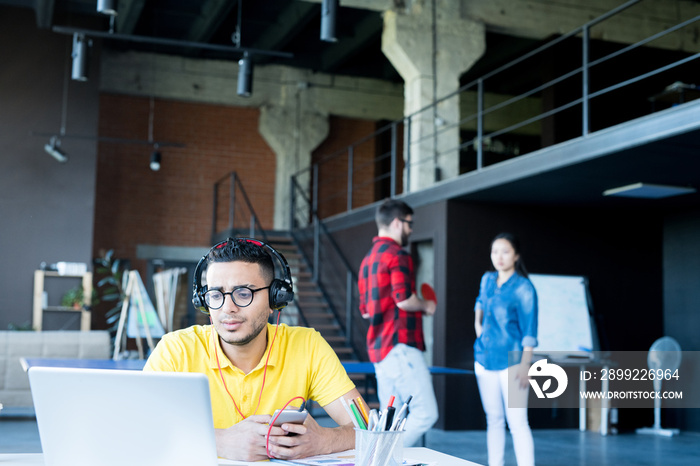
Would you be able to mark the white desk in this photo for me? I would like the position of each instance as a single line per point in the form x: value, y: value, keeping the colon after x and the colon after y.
x: 416, y: 453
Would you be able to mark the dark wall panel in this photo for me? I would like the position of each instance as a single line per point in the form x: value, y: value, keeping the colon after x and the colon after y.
x: 682, y: 299
x: 47, y: 208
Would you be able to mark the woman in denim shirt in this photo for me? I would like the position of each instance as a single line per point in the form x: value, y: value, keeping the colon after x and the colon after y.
x: 505, y: 321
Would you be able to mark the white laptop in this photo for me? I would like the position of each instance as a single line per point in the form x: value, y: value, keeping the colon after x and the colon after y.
x: 99, y: 417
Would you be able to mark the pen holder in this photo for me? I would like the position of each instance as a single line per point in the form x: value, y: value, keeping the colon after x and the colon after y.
x: 383, y: 448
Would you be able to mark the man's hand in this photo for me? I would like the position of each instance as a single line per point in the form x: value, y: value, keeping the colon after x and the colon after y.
x: 245, y: 441
x: 430, y: 307
x: 310, y: 440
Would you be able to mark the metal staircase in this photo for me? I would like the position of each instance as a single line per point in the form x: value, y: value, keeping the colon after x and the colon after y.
x: 310, y: 307
x: 233, y: 215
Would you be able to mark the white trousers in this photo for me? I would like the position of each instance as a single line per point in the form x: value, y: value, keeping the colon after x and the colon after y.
x: 493, y: 388
x: 403, y: 373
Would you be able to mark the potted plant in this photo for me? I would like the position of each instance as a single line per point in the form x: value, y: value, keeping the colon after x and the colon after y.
x: 73, y: 298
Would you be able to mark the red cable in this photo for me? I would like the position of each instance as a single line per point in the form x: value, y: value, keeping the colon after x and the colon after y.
x: 272, y: 423
x: 218, y: 364
x: 216, y: 352
x: 269, y: 429
x: 266, y: 360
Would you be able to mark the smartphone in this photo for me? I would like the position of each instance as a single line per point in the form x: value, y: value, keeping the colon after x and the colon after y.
x: 291, y: 416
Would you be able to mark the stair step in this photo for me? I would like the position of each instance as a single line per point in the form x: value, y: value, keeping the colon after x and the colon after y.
x: 274, y: 239
x: 316, y: 304
x: 334, y: 338
x: 305, y: 286
x: 318, y: 315
x: 327, y: 327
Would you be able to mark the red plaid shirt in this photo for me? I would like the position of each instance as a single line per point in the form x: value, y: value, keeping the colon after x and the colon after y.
x: 386, y: 278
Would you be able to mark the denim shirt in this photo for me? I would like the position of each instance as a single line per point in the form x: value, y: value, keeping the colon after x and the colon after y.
x: 510, y: 319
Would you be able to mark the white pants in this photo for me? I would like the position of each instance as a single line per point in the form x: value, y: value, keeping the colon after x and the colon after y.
x: 403, y: 373
x: 493, y: 388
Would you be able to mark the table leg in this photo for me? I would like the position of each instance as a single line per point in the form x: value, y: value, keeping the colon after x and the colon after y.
x: 581, y: 401
x: 604, y: 405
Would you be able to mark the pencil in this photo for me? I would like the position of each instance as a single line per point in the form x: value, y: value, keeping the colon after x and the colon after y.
x: 358, y: 416
x: 350, y: 413
x: 364, y: 409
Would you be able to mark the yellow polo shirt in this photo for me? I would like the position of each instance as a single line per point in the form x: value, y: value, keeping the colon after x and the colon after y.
x: 302, y: 363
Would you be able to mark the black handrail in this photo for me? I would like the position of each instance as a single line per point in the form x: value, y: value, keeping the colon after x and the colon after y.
x: 235, y: 183
x: 482, y: 111
x: 310, y: 195
x: 351, y: 310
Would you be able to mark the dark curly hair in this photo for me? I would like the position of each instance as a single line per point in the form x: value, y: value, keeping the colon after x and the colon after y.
x: 244, y: 250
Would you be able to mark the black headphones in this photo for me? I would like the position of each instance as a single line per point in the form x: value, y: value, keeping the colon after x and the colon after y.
x: 281, y: 292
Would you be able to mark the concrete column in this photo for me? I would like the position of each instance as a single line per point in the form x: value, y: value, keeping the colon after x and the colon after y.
x: 293, y: 133
x: 431, y: 52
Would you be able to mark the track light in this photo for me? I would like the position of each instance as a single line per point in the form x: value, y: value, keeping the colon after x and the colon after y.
x: 79, y: 72
x: 107, y: 7
x: 155, y: 159
x: 245, y: 76
x: 54, y: 150
x: 329, y: 8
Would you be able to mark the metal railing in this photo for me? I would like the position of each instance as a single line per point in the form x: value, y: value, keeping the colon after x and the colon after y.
x: 233, y: 213
x: 492, y: 128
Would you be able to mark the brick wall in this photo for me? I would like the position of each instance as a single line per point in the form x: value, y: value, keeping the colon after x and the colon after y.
x: 173, y: 207
x: 332, y: 157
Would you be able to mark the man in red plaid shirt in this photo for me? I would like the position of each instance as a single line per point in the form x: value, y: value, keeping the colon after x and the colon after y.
x: 395, y: 336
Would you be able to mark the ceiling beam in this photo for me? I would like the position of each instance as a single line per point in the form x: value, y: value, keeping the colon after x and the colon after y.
x: 129, y: 14
x: 44, y: 13
x: 538, y: 19
x: 213, y: 13
x: 345, y: 49
x: 293, y: 19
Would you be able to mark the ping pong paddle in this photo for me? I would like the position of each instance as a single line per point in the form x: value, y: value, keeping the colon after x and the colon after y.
x: 428, y: 292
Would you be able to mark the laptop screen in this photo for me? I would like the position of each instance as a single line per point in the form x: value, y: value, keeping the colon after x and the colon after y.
x: 117, y: 418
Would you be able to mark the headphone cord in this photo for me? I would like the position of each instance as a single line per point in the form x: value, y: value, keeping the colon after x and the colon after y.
x: 272, y: 422
x: 218, y: 364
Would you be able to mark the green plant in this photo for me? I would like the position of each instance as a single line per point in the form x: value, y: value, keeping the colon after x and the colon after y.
x: 73, y: 298
x: 27, y: 326
x: 110, y: 285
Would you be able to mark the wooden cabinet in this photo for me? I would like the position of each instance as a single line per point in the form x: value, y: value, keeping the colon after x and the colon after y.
x: 40, y: 277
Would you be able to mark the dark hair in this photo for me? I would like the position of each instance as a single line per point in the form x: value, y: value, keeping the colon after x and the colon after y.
x: 244, y: 251
x: 519, y: 264
x: 391, y: 209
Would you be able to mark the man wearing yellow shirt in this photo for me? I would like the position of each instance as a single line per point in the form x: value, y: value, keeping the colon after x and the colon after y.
x: 254, y: 367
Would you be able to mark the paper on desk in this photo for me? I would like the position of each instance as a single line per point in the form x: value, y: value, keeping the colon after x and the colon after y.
x: 226, y: 462
x: 343, y: 458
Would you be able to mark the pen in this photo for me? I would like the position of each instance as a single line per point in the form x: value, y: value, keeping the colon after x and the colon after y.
x: 382, y: 421
x: 402, y: 424
x: 389, y: 417
x: 350, y: 413
x: 403, y: 412
x: 373, y: 419
x: 364, y: 409
x: 358, y: 406
x: 361, y: 422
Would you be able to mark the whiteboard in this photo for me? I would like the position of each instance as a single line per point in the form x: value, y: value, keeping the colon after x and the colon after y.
x: 564, y: 320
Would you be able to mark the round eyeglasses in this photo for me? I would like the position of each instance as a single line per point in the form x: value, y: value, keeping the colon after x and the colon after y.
x: 241, y: 296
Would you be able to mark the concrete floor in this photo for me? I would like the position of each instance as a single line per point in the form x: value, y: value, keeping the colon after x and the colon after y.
x: 552, y: 447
